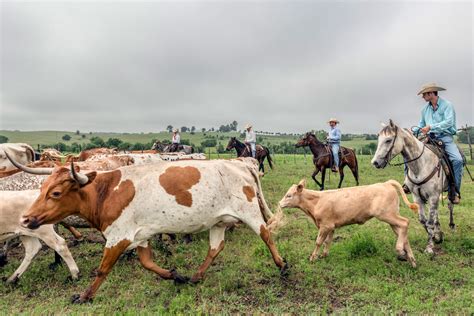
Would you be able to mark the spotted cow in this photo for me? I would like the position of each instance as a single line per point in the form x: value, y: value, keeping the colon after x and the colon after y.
x: 131, y: 204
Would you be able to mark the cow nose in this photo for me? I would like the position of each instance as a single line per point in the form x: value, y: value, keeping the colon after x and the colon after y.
x: 29, y: 222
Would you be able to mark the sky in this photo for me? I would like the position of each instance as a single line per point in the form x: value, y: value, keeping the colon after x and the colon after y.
x: 284, y: 66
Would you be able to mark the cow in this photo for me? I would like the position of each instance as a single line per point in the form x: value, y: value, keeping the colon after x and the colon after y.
x: 131, y: 204
x: 14, y: 204
x: 336, y: 208
x: 105, y: 163
x: 85, y: 154
x: 23, y: 153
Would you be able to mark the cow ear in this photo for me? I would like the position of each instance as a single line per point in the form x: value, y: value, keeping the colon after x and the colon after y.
x: 301, y: 185
x: 91, y: 176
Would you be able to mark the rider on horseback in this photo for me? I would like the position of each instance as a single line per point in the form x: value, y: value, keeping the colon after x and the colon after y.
x: 334, y: 139
x: 251, y: 139
x: 438, y: 120
x: 175, y: 141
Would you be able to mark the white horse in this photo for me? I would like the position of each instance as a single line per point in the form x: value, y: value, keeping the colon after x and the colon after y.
x: 425, y: 178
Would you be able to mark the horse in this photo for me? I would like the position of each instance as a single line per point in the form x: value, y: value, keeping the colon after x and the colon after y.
x: 159, y: 146
x: 322, y: 159
x: 244, y: 151
x: 425, y: 178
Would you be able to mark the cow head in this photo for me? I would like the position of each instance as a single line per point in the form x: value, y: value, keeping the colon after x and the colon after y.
x: 60, y: 194
x: 292, y: 198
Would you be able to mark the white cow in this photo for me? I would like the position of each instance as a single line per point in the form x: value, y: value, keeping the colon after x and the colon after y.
x: 131, y: 204
x: 13, y: 205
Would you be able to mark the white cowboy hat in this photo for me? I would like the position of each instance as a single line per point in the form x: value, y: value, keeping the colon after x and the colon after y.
x: 430, y: 87
x: 175, y: 130
x: 332, y: 119
x: 248, y: 125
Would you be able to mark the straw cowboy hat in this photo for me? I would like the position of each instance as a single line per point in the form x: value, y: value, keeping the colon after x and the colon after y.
x: 248, y: 125
x: 333, y: 120
x: 175, y: 130
x: 430, y: 87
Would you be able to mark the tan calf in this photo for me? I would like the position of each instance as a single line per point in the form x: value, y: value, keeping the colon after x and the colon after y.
x: 335, y: 208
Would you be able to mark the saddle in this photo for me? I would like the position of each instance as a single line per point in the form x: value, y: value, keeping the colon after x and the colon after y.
x: 438, y: 148
x: 343, y: 152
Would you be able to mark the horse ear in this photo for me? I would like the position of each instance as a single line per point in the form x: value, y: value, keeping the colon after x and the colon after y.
x: 391, y: 123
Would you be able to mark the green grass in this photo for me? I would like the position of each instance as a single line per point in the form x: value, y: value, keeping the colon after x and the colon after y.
x: 360, y: 275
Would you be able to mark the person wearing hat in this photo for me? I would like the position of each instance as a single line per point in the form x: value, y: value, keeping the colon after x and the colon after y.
x: 251, y: 139
x: 175, y: 140
x: 334, y: 139
x: 438, y: 119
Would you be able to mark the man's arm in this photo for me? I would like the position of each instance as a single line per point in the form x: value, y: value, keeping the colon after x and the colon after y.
x: 446, y: 123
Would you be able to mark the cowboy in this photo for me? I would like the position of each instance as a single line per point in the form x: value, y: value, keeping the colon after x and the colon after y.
x: 175, y: 140
x: 251, y: 139
x: 438, y: 119
x: 334, y: 139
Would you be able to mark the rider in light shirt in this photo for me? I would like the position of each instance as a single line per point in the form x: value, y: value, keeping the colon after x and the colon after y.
x: 251, y: 139
x: 334, y: 138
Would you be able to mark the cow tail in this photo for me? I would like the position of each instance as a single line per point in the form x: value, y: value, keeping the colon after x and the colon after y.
x: 413, y: 206
x: 273, y: 221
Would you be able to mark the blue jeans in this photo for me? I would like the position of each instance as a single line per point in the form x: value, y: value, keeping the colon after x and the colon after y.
x: 335, y: 154
x: 454, y: 156
x: 253, y: 146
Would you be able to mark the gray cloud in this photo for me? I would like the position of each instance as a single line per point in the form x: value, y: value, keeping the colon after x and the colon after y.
x: 285, y: 66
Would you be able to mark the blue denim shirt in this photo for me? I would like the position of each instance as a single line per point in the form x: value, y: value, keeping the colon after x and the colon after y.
x: 442, y: 121
x: 334, y: 136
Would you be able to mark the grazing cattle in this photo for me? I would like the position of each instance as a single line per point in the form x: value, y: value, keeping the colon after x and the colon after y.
x: 131, y: 204
x: 85, y: 154
x: 336, y: 208
x: 51, y: 154
x: 105, y: 163
x: 23, y: 153
x: 14, y: 204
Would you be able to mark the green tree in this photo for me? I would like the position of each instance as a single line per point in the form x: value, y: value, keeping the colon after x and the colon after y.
x: 3, y: 139
x: 97, y: 141
x: 209, y: 142
x: 169, y: 128
x: 113, y: 142
x: 66, y: 137
x: 77, y: 132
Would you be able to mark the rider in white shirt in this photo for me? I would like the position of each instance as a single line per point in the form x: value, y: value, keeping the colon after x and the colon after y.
x: 251, y: 139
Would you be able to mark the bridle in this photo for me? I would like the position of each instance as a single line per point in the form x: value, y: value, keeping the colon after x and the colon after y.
x: 387, y: 157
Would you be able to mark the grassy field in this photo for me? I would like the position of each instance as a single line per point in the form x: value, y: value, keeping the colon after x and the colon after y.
x: 360, y: 275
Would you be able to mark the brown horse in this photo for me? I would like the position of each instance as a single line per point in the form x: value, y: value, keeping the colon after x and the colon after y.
x: 322, y: 159
x: 244, y: 151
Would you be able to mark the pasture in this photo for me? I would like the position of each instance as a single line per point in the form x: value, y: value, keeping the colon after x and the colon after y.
x: 361, y: 274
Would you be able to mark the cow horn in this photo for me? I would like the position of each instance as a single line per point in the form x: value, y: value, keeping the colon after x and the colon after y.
x: 79, y: 177
x: 39, y: 171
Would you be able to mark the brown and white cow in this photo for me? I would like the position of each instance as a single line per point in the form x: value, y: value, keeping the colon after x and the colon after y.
x: 336, y: 208
x: 131, y: 204
x: 85, y: 154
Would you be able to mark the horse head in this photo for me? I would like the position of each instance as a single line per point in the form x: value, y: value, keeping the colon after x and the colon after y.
x: 390, y: 144
x: 231, y: 144
x: 306, y: 140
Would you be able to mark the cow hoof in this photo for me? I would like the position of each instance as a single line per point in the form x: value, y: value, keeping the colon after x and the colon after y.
x: 402, y: 257
x: 77, y: 299
x: 3, y: 260
x: 178, y: 279
x: 71, y: 279
x: 195, y: 281
x: 284, y: 272
x: 438, y: 238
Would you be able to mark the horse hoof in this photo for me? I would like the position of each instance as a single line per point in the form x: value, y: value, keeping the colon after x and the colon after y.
x: 452, y: 226
x: 429, y: 250
x: 284, y: 272
x: 178, y: 279
x: 3, y: 260
x: 438, y: 238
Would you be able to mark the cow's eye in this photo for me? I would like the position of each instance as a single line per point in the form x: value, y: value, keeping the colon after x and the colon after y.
x: 56, y: 194
x: 288, y: 195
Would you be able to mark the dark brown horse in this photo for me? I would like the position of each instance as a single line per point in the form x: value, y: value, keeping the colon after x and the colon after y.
x: 244, y: 151
x: 322, y: 159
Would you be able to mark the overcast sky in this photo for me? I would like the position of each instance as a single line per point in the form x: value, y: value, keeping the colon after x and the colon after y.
x: 283, y: 66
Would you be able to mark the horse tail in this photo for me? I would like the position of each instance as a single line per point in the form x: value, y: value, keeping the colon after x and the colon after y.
x: 356, y: 172
x: 413, y: 206
x: 269, y: 157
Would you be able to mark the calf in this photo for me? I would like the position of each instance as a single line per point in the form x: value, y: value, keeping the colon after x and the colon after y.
x: 131, y: 204
x: 335, y: 208
x: 14, y: 204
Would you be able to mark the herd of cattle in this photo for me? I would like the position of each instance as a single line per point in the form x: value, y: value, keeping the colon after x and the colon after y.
x: 129, y: 197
